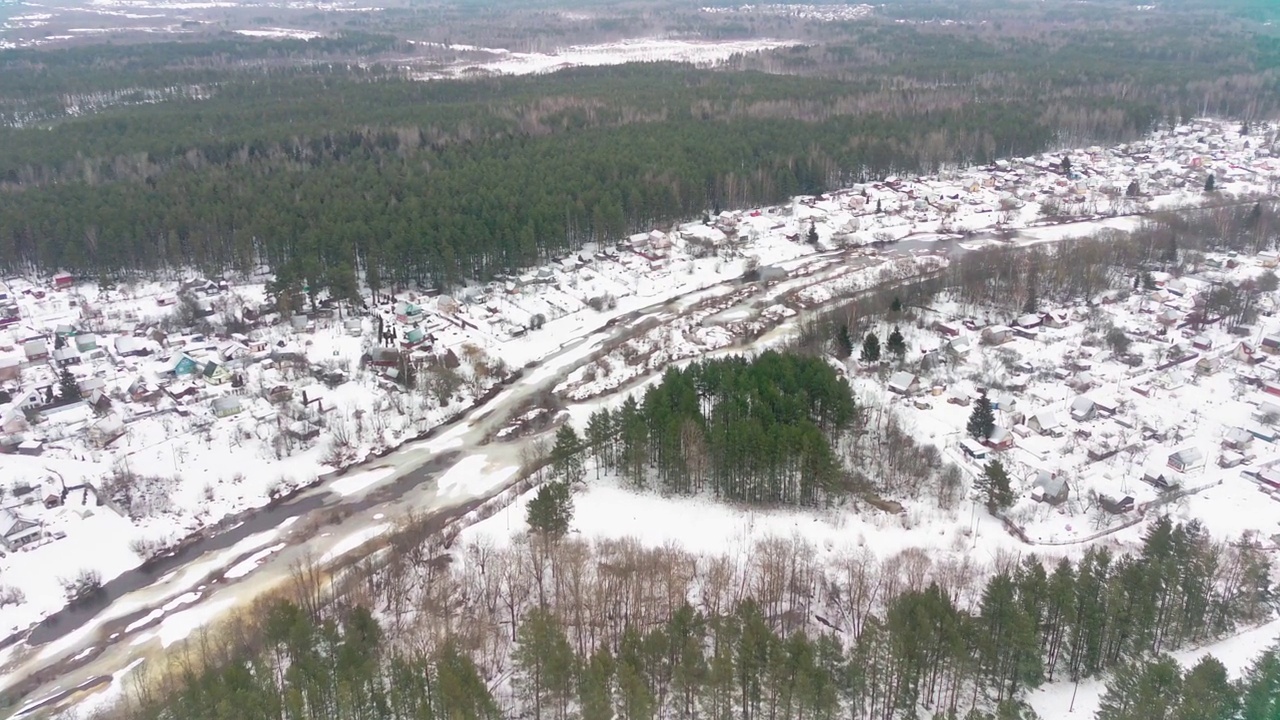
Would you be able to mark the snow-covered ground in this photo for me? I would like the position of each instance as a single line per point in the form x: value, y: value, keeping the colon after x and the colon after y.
x: 506, y: 62
x: 197, y: 467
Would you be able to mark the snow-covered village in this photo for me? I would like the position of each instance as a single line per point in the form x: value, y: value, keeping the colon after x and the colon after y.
x: 135, y: 415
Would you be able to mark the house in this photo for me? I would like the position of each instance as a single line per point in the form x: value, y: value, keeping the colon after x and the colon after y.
x: 35, y: 350
x: 1269, y: 477
x: 16, y: 531
x: 414, y: 337
x: 999, y: 439
x: 1082, y: 408
x: 1050, y: 488
x: 10, y: 368
x: 90, y: 384
x: 1271, y: 344
x: 129, y: 346
x: 141, y: 391
x: 1246, y: 353
x: 1169, y: 317
x: 1116, y: 507
x: 997, y: 334
x: 353, y: 327
x: 31, y: 447
x: 1229, y: 459
x: 1029, y: 321
x: 1045, y: 422
x: 407, y: 312
x: 86, y: 342
x: 226, y: 406
x: 106, y: 431
x: 62, y: 281
x: 904, y: 383
x: 300, y: 323
x: 1237, y: 438
x: 1186, y: 460
x: 961, y: 345
x: 1202, y: 342
x: 1208, y: 365
x: 66, y: 355
x: 1056, y: 319
x: 99, y: 401
x: 181, y: 365
x: 215, y: 373
x: 1271, y: 388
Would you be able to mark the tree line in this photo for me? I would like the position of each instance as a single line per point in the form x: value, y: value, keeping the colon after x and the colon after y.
x: 793, y: 638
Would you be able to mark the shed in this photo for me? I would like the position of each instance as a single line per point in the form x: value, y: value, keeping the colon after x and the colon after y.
x: 973, y: 449
x: 86, y: 342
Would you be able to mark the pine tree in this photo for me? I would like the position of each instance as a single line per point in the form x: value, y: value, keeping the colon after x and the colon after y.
x: 1149, y: 280
x: 896, y: 344
x: 982, y: 419
x: 68, y: 388
x: 566, y: 455
x: 995, y: 485
x: 895, y: 307
x: 545, y: 665
x: 812, y: 236
x: 595, y: 687
x: 1207, y: 693
x: 551, y: 510
x: 1065, y: 165
x: 1210, y: 184
x: 870, y: 349
x: 1260, y: 688
x: 1134, y: 190
x: 1142, y: 691
x: 844, y: 343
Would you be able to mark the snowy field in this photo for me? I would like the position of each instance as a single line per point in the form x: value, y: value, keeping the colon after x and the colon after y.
x: 700, y: 53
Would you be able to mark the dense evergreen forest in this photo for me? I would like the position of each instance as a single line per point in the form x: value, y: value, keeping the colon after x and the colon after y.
x: 863, y: 643
x: 323, y: 159
x: 758, y: 430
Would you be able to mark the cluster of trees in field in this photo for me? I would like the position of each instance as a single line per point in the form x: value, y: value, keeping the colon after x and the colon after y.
x: 762, y: 430
x: 566, y: 628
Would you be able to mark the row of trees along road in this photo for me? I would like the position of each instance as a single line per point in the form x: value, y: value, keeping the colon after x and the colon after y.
x: 915, y: 653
